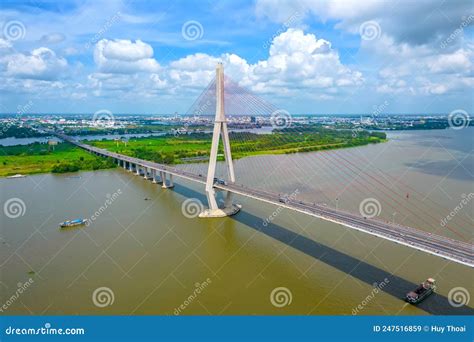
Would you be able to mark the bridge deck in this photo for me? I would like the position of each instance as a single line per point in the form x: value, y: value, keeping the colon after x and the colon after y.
x: 457, y: 251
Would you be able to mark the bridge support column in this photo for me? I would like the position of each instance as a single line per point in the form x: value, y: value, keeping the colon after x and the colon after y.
x: 171, y: 185
x: 124, y: 164
x: 220, y: 129
x: 153, y: 175
x: 163, y: 179
x: 130, y: 166
x: 145, y: 172
x: 137, y: 169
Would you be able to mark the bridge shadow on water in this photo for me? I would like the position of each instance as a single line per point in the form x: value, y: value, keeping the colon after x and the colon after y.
x: 436, y: 304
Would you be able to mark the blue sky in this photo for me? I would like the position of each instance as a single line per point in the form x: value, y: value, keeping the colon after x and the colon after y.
x: 304, y: 56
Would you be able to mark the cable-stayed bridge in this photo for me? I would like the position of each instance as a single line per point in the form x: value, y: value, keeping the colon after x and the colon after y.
x: 224, y: 97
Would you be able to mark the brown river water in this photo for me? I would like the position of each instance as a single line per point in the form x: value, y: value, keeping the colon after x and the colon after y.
x: 142, y: 255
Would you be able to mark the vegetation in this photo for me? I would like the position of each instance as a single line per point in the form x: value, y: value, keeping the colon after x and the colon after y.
x: 130, y: 129
x: 40, y: 158
x: 186, y: 148
x: 388, y: 124
x: 8, y: 130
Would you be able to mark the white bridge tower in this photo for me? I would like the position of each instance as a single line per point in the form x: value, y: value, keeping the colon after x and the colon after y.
x: 220, y: 129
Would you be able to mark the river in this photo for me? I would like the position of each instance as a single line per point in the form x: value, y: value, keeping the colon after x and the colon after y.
x: 145, y: 257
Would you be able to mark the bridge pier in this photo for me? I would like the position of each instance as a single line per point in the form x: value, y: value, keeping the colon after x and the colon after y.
x: 220, y: 129
x: 145, y: 172
x: 153, y: 175
x: 137, y: 169
x: 130, y: 167
x: 163, y: 180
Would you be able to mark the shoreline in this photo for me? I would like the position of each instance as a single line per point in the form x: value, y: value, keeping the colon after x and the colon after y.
x: 318, y: 148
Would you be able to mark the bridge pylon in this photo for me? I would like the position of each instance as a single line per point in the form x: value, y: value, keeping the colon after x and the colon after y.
x: 220, y: 130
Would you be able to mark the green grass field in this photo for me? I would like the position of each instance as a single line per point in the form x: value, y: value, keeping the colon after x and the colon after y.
x: 40, y: 158
x: 177, y: 149
x: 37, y: 158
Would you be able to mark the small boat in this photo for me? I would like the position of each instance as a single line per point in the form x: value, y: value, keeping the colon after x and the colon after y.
x: 421, y: 292
x: 17, y: 176
x: 73, y: 223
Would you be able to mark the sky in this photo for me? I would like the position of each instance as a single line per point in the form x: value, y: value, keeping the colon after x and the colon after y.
x: 303, y: 56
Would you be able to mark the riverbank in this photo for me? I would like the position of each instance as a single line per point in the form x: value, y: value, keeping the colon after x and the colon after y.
x: 42, y: 158
x: 184, y: 148
x: 180, y: 149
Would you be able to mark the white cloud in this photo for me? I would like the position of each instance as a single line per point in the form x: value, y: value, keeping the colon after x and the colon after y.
x: 5, y: 44
x: 124, y: 56
x: 421, y: 70
x: 41, y: 64
x: 420, y: 49
x: 125, y: 50
x: 301, y: 60
x: 297, y: 60
x: 459, y: 61
x: 296, y: 41
x: 415, y: 22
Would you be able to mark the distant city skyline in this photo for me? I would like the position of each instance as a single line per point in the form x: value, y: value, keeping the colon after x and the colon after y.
x: 306, y: 57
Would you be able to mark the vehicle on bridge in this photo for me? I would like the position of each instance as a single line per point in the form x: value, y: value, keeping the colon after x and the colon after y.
x: 220, y: 181
x: 421, y: 292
